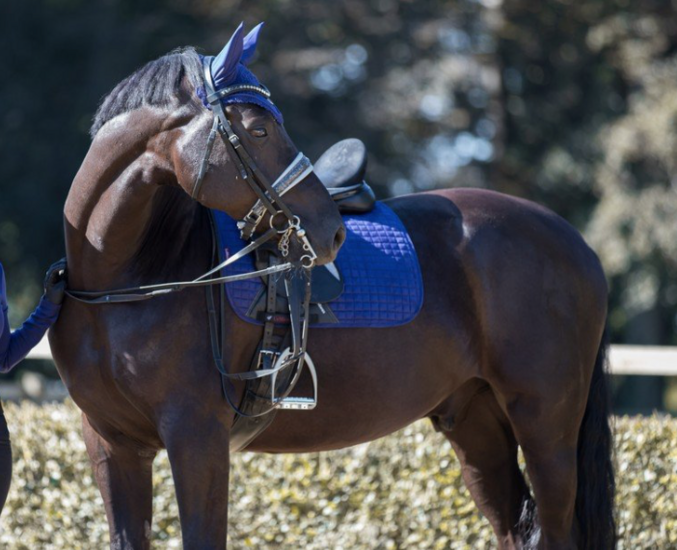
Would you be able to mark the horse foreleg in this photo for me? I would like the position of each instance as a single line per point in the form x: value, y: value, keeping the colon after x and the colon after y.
x: 124, y: 476
x: 486, y: 448
x: 198, y: 452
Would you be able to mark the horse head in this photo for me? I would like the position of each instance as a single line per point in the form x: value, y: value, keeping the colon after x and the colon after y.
x: 255, y: 153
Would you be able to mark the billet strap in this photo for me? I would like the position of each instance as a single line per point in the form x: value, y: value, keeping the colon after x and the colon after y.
x: 273, y: 363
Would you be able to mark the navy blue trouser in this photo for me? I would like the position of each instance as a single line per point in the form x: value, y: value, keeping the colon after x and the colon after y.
x: 5, y: 460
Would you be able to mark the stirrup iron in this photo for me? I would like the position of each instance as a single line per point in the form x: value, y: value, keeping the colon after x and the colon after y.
x: 297, y: 403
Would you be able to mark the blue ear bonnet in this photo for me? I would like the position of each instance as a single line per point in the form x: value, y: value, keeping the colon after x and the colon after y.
x: 229, y: 68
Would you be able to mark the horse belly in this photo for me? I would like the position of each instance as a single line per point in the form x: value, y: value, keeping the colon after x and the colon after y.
x: 367, y: 389
x: 374, y: 381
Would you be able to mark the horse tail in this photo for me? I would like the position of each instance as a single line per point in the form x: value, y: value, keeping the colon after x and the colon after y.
x: 596, y: 485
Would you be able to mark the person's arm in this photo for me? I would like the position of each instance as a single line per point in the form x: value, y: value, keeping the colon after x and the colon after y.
x: 4, y: 331
x: 4, y: 321
x: 16, y: 345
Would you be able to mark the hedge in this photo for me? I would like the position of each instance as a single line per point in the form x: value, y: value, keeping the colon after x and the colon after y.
x: 404, y: 491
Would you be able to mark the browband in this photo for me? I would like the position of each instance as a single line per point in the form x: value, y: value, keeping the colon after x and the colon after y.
x: 230, y: 90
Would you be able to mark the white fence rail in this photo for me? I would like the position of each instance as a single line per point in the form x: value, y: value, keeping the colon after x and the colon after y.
x: 643, y: 360
x: 637, y: 360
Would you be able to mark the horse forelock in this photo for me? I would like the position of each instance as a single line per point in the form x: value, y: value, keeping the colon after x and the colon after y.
x: 158, y: 83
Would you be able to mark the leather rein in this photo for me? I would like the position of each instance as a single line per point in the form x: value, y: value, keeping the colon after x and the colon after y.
x: 269, y: 200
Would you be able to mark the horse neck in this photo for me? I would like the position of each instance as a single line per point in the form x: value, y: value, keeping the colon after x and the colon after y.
x: 127, y: 222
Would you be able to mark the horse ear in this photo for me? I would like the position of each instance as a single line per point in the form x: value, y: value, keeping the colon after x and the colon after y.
x: 250, y: 42
x: 224, y: 65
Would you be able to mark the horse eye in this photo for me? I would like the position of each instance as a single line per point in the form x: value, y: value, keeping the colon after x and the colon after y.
x: 259, y: 132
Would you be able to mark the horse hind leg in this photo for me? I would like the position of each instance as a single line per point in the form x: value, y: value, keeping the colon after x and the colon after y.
x: 124, y: 477
x: 561, y: 424
x: 482, y: 438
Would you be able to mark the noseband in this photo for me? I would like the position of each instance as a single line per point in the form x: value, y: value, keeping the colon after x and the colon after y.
x: 269, y: 194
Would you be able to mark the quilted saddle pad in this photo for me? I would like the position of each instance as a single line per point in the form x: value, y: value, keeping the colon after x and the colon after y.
x: 378, y: 263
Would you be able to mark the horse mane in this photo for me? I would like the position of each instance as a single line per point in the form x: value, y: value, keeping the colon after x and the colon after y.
x: 170, y: 238
x: 157, y: 83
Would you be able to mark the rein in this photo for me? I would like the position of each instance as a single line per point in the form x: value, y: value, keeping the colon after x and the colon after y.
x: 146, y: 292
x: 269, y: 200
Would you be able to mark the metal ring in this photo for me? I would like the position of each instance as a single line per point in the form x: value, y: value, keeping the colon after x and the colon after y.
x: 295, y: 223
x: 272, y: 222
x: 310, y: 259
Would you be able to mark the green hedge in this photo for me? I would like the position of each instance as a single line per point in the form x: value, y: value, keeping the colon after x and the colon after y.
x: 403, y: 491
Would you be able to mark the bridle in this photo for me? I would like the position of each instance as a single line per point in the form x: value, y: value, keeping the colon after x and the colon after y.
x: 282, y: 222
x: 269, y: 195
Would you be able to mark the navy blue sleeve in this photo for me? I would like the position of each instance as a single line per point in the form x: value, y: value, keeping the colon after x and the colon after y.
x: 15, y: 346
x: 4, y: 323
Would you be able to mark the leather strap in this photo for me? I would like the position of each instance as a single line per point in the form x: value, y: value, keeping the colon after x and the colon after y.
x: 146, y: 292
x: 205, y: 159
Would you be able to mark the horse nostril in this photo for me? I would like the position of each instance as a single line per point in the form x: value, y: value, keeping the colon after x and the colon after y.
x: 339, y: 238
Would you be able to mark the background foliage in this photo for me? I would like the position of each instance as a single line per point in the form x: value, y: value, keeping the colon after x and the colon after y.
x: 569, y: 103
x: 401, y: 492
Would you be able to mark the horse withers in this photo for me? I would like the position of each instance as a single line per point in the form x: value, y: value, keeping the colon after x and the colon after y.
x: 507, y: 350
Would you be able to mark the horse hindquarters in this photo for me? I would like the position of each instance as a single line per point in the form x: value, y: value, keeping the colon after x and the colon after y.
x: 567, y: 453
x: 485, y: 445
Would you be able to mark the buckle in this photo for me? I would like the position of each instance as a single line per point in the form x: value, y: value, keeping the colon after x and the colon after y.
x: 234, y: 139
x: 249, y: 223
x: 267, y: 353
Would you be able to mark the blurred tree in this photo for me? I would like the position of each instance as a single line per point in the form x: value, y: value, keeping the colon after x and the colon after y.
x: 590, y: 130
x: 567, y: 103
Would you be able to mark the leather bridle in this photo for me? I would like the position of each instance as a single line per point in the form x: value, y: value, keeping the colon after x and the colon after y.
x: 269, y: 194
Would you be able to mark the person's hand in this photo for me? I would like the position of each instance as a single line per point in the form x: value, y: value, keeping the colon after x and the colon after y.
x: 55, y: 282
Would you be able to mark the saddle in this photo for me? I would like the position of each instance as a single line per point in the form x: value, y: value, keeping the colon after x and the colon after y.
x: 341, y: 169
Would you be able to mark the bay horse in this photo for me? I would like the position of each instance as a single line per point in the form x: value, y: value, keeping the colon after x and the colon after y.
x: 507, y: 352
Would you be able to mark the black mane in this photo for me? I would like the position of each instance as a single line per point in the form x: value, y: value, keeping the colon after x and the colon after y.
x: 156, y: 83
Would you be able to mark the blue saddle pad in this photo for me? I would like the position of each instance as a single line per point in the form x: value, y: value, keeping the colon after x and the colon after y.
x: 382, y: 276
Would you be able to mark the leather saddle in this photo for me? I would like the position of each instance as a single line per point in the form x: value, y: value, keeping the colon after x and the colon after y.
x: 341, y: 169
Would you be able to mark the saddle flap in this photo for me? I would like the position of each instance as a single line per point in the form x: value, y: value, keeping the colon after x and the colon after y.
x: 343, y: 164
